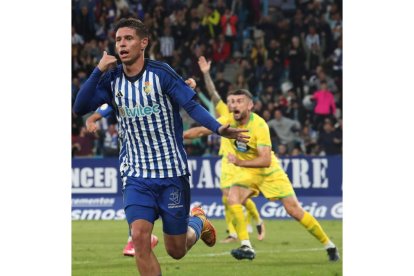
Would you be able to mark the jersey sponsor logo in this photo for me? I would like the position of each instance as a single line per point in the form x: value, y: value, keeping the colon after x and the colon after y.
x: 139, y: 111
x: 96, y: 180
x: 147, y: 87
x: 240, y: 146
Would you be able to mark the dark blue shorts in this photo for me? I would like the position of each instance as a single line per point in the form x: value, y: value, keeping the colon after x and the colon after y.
x: 150, y: 198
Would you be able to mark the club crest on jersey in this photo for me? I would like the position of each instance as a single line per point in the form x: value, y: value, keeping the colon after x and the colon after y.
x: 240, y: 146
x: 119, y: 94
x: 147, y: 87
x: 121, y: 111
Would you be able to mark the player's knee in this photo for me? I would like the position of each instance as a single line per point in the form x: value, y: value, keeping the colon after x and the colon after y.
x: 176, y: 253
x: 140, y: 238
x: 231, y: 200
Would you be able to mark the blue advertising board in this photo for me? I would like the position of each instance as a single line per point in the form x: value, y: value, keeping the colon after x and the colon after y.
x: 97, y: 187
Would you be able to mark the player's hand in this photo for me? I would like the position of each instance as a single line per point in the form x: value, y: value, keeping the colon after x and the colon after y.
x: 232, y: 159
x: 106, y: 62
x: 91, y: 127
x: 191, y: 82
x: 204, y: 64
x: 234, y: 133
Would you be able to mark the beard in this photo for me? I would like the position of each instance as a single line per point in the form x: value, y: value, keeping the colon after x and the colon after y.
x: 240, y: 116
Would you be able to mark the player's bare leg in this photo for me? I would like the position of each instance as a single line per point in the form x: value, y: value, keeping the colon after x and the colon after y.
x: 178, y: 245
x: 296, y: 211
x: 199, y: 228
x: 145, y: 259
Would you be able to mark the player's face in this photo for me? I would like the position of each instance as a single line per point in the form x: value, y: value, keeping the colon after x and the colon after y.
x: 241, y: 106
x: 128, y: 45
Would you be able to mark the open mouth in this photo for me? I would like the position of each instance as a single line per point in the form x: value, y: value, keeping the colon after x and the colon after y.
x: 123, y: 53
x: 237, y: 112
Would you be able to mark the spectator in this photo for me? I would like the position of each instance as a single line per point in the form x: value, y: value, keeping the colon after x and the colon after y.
x: 275, y: 53
x: 221, y: 49
x: 110, y: 142
x: 228, y: 23
x: 285, y: 128
x: 167, y: 45
x: 222, y: 85
x: 312, y: 38
x: 240, y: 82
x: 308, y: 138
x: 76, y: 38
x: 330, y: 140
x: 211, y: 21
x: 282, y: 151
x: 295, y: 112
x: 325, y: 105
x: 83, y: 144
x: 296, y: 58
x: 269, y: 75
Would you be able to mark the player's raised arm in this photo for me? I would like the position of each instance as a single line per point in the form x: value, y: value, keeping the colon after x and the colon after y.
x: 211, y: 89
x: 106, y: 62
x: 90, y: 95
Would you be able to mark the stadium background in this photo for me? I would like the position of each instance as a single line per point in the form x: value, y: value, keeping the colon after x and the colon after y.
x: 279, y: 50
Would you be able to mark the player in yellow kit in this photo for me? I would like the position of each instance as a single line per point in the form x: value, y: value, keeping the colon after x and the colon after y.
x: 227, y: 169
x: 258, y: 170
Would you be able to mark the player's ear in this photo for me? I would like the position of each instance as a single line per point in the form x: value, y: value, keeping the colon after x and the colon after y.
x: 144, y: 43
x: 250, y: 105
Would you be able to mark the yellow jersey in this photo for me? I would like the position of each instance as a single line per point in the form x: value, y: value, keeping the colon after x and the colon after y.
x: 225, y: 144
x: 259, y: 136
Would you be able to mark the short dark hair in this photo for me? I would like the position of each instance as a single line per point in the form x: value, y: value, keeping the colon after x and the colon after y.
x: 241, y: 92
x: 133, y: 23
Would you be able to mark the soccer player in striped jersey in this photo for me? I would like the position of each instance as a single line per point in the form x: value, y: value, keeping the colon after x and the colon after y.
x: 147, y: 96
x: 227, y: 169
x: 258, y: 170
x: 104, y: 111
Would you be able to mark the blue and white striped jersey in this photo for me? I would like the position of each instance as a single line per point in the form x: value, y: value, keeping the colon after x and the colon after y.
x: 147, y: 110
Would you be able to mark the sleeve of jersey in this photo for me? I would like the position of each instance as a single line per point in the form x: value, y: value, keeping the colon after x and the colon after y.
x: 180, y: 92
x: 222, y: 109
x: 104, y: 110
x: 201, y: 115
x: 263, y: 134
x: 93, y: 93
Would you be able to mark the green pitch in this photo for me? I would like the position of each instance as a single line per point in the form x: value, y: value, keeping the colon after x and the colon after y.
x: 288, y: 249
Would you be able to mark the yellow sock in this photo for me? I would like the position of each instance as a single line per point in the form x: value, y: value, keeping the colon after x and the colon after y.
x: 313, y: 227
x: 252, y: 210
x: 239, y: 221
x: 248, y: 218
x: 229, y: 217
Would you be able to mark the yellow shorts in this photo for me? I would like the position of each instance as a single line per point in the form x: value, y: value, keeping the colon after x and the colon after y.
x: 274, y: 185
x: 227, y: 173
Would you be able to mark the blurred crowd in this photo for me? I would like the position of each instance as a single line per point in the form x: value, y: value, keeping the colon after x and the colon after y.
x: 287, y: 53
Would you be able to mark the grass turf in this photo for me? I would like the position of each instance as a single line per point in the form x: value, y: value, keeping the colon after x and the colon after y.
x: 288, y: 249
